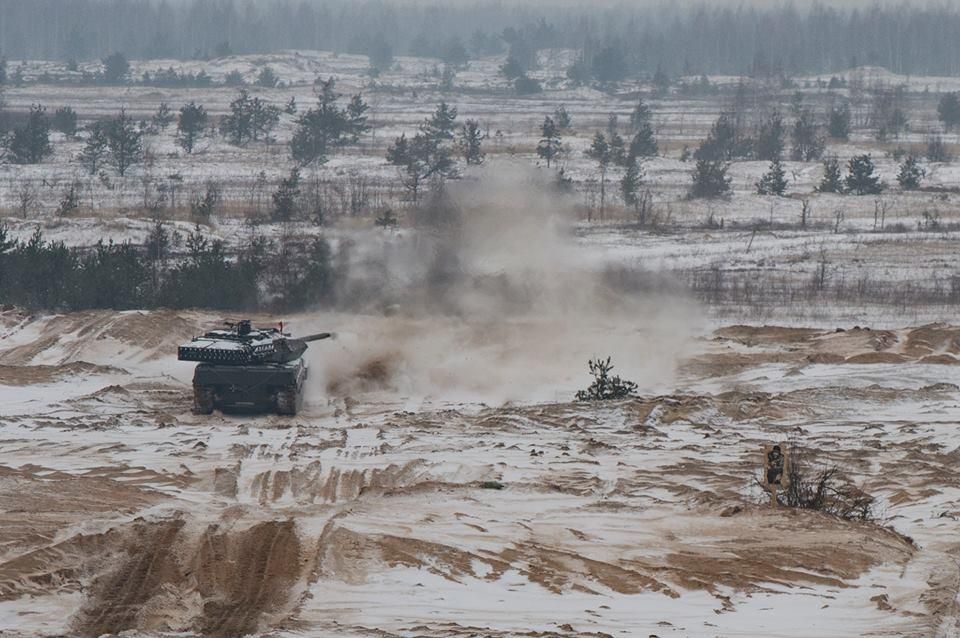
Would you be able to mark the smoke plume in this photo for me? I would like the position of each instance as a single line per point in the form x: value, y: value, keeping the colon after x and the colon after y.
x: 493, y: 299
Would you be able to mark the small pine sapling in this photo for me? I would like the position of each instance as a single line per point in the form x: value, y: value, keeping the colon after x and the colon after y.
x: 605, y: 387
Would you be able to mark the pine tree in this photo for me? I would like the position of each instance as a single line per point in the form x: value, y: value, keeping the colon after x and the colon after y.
x: 471, y: 139
x: 263, y: 118
x: 549, y: 146
x: 526, y: 85
x: 937, y: 150
x: 267, y: 78
x: 30, y: 143
x: 832, y: 181
x: 95, y: 149
x: 644, y: 143
x: 838, y: 122
x: 618, y: 150
x: 601, y: 152
x: 321, y: 129
x: 237, y: 126
x: 190, y: 125
x: 709, y: 179
x: 421, y: 158
x: 661, y: 81
x: 609, y: 64
x: 769, y: 143
x: 454, y: 53
x: 807, y: 143
x: 124, y: 142
x: 429, y: 154
x: 511, y: 68
x: 721, y: 143
x: 380, y: 55
x: 630, y: 184
x: 562, y: 119
x: 911, y: 174
x: 357, y: 118
x: 774, y: 181
x: 640, y: 116
x: 249, y: 120
x: 605, y: 387
x: 861, y: 179
x: 163, y: 117
x: 442, y: 124
x: 287, y: 197
x: 65, y: 120
x: 948, y: 110
x: 115, y: 68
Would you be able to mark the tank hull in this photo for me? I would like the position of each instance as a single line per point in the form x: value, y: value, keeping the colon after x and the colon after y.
x: 274, y: 387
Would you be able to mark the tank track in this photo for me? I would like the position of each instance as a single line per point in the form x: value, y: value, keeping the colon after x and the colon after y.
x: 287, y: 402
x: 202, y: 400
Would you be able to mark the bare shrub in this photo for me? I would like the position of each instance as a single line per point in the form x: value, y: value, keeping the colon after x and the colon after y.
x: 70, y: 200
x: 824, y: 489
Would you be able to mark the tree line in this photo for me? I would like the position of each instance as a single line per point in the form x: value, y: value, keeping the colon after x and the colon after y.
x: 288, y: 274
x: 675, y: 38
x: 119, y: 141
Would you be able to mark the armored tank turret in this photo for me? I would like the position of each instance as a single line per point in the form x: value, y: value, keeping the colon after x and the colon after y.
x: 243, y: 366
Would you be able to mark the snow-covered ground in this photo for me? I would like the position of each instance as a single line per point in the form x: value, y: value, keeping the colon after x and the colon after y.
x: 440, y: 482
x: 871, y: 245
x: 378, y: 512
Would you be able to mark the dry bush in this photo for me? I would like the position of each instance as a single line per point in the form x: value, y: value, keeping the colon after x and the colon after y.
x: 824, y: 489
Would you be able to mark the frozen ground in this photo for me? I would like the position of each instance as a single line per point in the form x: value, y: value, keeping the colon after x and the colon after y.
x: 367, y: 515
x: 399, y: 101
x: 862, y: 252
x: 440, y: 483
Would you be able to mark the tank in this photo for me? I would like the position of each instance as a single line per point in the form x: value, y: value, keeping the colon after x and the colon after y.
x: 246, y: 367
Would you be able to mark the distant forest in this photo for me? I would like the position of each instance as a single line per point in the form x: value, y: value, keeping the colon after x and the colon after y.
x: 678, y: 40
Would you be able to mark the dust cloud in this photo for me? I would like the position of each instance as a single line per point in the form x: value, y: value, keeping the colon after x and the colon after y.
x: 495, y: 300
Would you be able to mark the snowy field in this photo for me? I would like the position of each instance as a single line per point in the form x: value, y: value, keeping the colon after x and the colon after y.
x: 861, y: 249
x: 440, y: 481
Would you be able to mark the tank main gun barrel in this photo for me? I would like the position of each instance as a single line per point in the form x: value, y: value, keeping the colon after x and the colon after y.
x: 316, y: 337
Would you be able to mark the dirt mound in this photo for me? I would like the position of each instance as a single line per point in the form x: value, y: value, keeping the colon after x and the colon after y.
x: 51, y: 569
x: 752, y: 551
x: 757, y: 335
x: 933, y: 339
x: 768, y: 345
x: 878, y: 357
x: 738, y: 406
x: 858, y: 340
x: 152, y: 331
x: 95, y: 334
x: 28, y: 375
x: 727, y: 363
x: 940, y: 359
x: 827, y: 358
x: 38, y: 505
